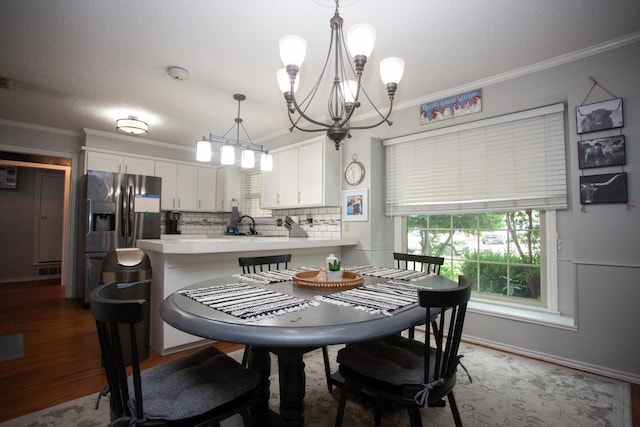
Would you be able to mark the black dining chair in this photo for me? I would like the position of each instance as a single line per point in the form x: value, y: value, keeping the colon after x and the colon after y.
x: 257, y: 264
x: 275, y: 262
x: 201, y: 388
x: 409, y: 372
x: 424, y: 263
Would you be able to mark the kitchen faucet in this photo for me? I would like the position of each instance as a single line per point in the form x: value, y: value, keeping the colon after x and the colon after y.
x: 252, y: 228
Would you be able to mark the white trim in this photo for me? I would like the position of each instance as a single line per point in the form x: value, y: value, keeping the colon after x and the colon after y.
x: 138, y: 140
x: 523, y: 71
x: 23, y: 125
x: 562, y: 361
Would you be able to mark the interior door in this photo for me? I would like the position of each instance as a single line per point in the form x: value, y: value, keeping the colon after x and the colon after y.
x: 50, y: 197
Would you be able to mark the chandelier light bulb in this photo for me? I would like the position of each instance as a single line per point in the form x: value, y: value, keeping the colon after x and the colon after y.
x: 361, y: 38
x: 391, y: 70
x: 292, y: 50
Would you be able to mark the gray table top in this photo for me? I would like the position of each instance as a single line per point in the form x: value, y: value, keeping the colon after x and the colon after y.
x: 315, y: 326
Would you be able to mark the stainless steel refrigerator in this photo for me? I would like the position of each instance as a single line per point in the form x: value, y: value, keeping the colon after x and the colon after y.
x: 114, y: 210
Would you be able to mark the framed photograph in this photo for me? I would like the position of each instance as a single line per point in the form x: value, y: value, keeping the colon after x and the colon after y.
x: 600, y: 152
x: 599, y: 116
x: 9, y: 177
x: 605, y: 188
x: 355, y: 205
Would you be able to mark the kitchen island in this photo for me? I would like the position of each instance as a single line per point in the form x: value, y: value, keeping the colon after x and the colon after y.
x: 179, y: 261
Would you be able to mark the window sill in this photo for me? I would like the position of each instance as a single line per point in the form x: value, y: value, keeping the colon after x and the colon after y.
x: 523, y: 314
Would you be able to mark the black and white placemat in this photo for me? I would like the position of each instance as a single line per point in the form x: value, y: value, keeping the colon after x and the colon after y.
x: 272, y: 276
x: 247, y: 302
x: 389, y: 273
x: 382, y: 297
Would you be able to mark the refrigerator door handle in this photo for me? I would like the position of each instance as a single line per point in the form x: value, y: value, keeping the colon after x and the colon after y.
x: 90, y: 217
x: 123, y: 214
x: 130, y: 212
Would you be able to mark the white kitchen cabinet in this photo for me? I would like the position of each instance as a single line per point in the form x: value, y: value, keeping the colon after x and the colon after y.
x: 227, y: 188
x: 206, y: 189
x: 270, y: 191
x: 179, y: 184
x: 186, y: 187
x: 115, y: 163
x: 306, y: 174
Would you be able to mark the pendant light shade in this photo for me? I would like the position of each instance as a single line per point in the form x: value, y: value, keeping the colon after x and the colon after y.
x: 227, y: 155
x: 247, y: 159
x: 292, y: 50
x: 391, y: 70
x: 360, y: 39
x: 203, y: 151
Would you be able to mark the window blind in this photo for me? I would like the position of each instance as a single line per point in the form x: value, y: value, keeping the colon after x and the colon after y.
x: 516, y: 161
x: 251, y: 185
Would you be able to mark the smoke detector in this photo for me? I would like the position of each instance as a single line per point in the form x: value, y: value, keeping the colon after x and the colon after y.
x: 178, y: 73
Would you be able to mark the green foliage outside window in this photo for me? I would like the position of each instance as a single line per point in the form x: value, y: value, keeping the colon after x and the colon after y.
x: 499, y: 251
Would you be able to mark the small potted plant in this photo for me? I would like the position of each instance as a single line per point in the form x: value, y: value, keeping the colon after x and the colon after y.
x: 334, y: 274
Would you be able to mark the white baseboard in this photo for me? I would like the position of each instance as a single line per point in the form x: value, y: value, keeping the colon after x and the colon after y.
x: 562, y: 361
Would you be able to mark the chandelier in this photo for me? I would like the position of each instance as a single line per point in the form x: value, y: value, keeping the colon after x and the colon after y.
x: 346, y: 89
x: 228, y: 152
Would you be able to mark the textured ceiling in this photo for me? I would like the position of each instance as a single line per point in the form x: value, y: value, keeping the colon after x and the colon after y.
x: 83, y: 63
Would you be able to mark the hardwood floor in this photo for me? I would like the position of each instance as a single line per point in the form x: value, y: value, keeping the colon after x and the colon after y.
x: 61, y: 353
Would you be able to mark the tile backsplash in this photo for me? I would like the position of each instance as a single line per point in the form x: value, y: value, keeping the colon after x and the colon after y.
x: 317, y: 222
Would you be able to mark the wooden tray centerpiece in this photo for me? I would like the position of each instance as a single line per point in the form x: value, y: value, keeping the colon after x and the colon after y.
x: 317, y: 279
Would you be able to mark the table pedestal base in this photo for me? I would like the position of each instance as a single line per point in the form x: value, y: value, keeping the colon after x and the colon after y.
x: 292, y: 385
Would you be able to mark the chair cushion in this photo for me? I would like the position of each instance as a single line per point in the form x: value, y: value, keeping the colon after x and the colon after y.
x: 192, y: 385
x: 393, y: 359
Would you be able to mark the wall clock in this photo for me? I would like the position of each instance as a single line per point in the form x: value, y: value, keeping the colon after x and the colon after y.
x: 354, y: 172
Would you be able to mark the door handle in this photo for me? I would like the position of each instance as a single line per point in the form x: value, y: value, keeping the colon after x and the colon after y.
x: 43, y: 217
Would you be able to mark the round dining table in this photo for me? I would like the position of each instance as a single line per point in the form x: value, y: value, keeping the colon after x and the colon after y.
x: 289, y: 336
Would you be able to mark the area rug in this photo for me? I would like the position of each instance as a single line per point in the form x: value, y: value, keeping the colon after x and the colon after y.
x: 507, y: 390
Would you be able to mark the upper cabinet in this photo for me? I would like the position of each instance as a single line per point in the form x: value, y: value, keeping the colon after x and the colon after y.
x: 206, y: 186
x: 227, y: 188
x: 178, y: 186
x: 306, y: 174
x: 107, y: 162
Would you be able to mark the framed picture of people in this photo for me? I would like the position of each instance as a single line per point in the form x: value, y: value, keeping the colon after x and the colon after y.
x: 605, y: 188
x: 600, y: 152
x: 599, y: 116
x: 355, y: 205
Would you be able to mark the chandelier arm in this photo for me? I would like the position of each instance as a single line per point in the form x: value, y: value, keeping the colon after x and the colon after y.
x: 385, y: 119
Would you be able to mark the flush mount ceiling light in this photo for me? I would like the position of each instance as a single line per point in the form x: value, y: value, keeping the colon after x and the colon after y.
x: 344, y: 96
x: 132, y: 126
x: 227, y: 151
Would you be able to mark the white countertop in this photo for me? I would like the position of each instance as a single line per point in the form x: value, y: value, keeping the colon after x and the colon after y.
x: 221, y: 244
